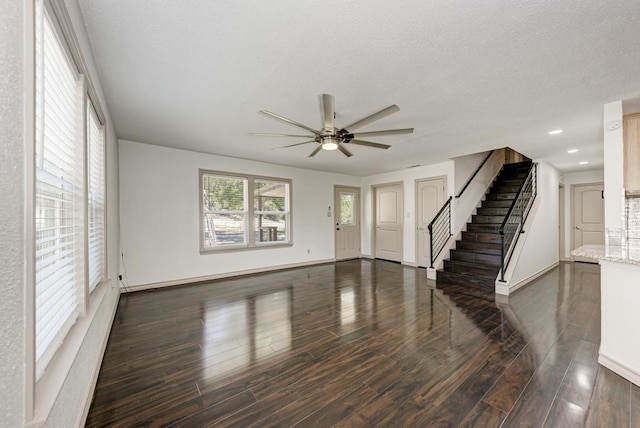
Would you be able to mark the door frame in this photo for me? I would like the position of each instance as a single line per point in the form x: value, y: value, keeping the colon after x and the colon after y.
x: 562, y: 221
x: 572, y: 204
x: 335, y: 218
x: 374, y: 211
x: 415, y: 217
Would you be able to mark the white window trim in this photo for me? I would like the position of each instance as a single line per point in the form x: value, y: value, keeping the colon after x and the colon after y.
x: 250, y: 243
x: 90, y: 110
x: 40, y: 396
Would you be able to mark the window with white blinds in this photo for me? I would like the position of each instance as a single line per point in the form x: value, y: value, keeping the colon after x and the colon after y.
x: 59, y: 193
x: 95, y: 197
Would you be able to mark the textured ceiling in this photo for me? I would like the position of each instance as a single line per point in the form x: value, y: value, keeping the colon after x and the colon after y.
x: 468, y: 76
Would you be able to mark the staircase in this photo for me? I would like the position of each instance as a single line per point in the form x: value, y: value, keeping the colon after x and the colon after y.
x: 476, y: 260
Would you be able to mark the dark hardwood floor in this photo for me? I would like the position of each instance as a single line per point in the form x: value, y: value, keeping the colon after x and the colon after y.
x: 361, y: 343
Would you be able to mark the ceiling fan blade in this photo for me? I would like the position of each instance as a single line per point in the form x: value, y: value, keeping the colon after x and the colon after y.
x: 328, y: 109
x: 386, y: 132
x: 369, y: 144
x: 346, y: 152
x: 293, y: 145
x: 289, y: 121
x: 372, y: 118
x: 315, y: 152
x: 269, y: 134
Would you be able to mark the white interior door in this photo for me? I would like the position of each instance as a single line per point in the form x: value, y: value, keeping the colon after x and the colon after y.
x: 588, y: 216
x: 388, y: 222
x: 429, y: 198
x: 347, y: 222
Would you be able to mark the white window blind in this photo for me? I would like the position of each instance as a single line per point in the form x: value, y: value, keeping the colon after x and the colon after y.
x: 59, y: 225
x: 96, y: 198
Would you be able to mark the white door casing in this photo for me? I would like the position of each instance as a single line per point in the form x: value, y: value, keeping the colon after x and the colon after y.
x: 347, y: 222
x: 588, y: 215
x: 561, y: 222
x: 388, y: 221
x: 430, y: 195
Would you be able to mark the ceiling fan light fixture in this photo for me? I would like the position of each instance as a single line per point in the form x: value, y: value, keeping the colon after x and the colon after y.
x: 329, y: 143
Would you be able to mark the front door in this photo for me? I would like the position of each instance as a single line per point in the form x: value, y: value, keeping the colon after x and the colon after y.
x: 388, y: 222
x: 430, y: 197
x: 588, y: 216
x: 347, y: 222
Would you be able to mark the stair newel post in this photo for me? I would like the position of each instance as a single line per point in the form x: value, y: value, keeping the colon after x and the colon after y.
x: 450, y: 217
x: 431, y: 245
x: 502, y: 255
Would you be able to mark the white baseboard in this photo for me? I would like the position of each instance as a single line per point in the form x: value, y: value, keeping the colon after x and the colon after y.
x: 431, y: 273
x: 626, y: 372
x: 162, y: 284
x: 96, y: 371
x: 506, y: 288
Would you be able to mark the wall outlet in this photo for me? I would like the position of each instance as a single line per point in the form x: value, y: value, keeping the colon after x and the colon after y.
x: 308, y: 251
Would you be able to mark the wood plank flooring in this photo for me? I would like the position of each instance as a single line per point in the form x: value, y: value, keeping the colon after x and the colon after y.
x: 361, y: 343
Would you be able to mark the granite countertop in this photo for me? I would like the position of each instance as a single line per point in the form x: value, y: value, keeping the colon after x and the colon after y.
x: 599, y: 252
x: 590, y: 251
x: 621, y: 260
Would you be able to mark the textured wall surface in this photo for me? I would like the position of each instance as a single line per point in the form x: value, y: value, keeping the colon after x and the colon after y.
x: 11, y: 214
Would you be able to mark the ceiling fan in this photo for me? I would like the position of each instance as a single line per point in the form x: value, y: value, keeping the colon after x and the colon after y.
x: 331, y: 137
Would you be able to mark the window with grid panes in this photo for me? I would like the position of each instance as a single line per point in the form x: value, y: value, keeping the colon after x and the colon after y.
x: 244, y: 211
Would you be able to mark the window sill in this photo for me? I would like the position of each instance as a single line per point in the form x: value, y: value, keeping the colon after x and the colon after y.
x: 50, y: 384
x: 236, y: 248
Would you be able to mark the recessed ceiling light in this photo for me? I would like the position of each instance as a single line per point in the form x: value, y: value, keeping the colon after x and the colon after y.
x: 583, y: 163
x: 557, y: 131
x: 572, y: 151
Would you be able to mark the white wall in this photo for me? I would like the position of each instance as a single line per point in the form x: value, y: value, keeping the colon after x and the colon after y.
x: 159, y: 211
x: 408, y: 178
x: 596, y: 176
x: 613, y: 166
x: 619, y: 351
x: 465, y: 166
x: 539, y: 245
x: 12, y: 322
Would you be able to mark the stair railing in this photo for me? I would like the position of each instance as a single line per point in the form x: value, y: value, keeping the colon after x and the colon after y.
x: 474, y: 174
x: 440, y: 231
x: 513, y: 223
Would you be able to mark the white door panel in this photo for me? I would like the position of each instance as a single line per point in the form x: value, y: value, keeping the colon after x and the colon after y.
x: 430, y: 197
x: 347, y: 222
x: 588, y: 216
x: 388, y: 222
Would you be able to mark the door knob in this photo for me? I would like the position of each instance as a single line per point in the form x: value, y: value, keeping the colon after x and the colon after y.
x: 578, y: 228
